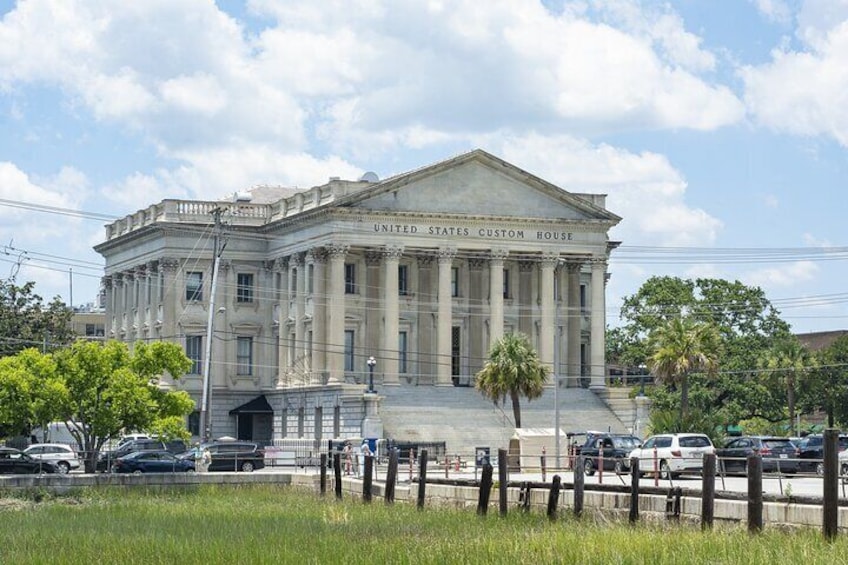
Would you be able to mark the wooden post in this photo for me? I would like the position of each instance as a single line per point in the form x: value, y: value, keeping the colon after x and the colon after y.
x: 578, y: 487
x: 422, y: 478
x: 544, y: 467
x: 485, y: 489
x: 367, y: 478
x: 708, y: 491
x: 634, y: 490
x: 553, y: 498
x: 323, y: 474
x: 447, y: 465
x: 524, y: 496
x: 503, y: 479
x: 337, y: 470
x: 391, y: 476
x: 830, y: 494
x: 755, y: 494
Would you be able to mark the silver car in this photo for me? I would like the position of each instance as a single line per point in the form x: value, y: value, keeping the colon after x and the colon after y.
x: 61, y: 454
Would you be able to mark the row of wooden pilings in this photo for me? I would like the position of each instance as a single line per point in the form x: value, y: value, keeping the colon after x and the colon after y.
x: 830, y: 493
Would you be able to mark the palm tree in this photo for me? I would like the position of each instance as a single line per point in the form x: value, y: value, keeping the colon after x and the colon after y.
x: 680, y: 347
x: 790, y: 359
x: 513, y: 369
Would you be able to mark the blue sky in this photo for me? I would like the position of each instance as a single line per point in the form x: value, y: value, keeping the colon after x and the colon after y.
x: 719, y: 130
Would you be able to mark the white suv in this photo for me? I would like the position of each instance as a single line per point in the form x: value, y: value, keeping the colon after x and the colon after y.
x: 61, y: 454
x: 675, y: 454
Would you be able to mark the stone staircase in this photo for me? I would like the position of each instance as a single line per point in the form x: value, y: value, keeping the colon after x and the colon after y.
x: 618, y: 400
x: 464, y: 419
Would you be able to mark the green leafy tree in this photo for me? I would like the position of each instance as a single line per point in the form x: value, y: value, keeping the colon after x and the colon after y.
x: 110, y: 389
x: 680, y: 347
x: 30, y: 392
x: 512, y: 370
x: 25, y: 321
x: 826, y: 386
x: 786, y: 362
x: 748, y: 326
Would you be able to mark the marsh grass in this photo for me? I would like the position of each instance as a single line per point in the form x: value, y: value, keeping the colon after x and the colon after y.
x: 266, y: 524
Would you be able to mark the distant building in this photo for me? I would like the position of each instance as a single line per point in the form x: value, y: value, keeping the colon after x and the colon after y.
x: 89, y: 323
x: 814, y: 341
x: 423, y: 271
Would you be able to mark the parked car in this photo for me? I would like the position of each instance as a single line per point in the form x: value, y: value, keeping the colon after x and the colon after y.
x: 16, y: 462
x: 61, y: 454
x: 106, y: 458
x: 675, y: 454
x: 778, y: 453
x: 811, y: 452
x: 230, y: 455
x: 159, y: 461
x: 615, y: 448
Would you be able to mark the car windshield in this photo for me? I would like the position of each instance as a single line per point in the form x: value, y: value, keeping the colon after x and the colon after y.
x: 777, y: 443
x: 694, y: 441
x: 626, y: 442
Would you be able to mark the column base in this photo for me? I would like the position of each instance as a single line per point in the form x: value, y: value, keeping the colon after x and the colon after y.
x: 597, y: 387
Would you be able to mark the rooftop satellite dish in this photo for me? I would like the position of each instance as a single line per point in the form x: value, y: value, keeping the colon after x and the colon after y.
x: 370, y: 176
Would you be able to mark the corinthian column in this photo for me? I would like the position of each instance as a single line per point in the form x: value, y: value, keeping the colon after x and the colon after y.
x: 546, y: 339
x: 597, y: 325
x: 319, y: 314
x: 496, y: 303
x: 391, y: 353
x: 445, y: 319
x: 336, y: 301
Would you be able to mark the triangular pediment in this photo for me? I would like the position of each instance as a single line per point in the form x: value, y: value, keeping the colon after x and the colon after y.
x: 476, y: 184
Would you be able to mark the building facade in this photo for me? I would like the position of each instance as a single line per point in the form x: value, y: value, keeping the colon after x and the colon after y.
x: 422, y: 271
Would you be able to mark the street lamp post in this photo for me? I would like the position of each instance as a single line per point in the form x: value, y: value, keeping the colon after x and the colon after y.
x: 371, y: 363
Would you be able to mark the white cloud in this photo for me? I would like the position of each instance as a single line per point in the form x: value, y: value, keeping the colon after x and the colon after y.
x: 788, y: 275
x: 813, y: 241
x: 644, y: 188
x: 775, y: 10
x: 806, y: 91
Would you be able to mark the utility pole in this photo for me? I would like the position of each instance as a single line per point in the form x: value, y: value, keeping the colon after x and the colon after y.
x: 218, y: 245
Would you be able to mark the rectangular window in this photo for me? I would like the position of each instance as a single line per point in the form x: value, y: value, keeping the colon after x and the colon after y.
x: 244, y: 356
x: 193, y: 286
x: 244, y: 287
x: 194, y: 423
x: 348, y: 351
x: 194, y: 351
x: 583, y: 309
x: 454, y: 281
x: 403, y: 280
x: 456, y: 360
x: 300, y: 421
x: 284, y: 422
x: 402, y: 345
x: 311, y: 278
x: 319, y: 422
x: 350, y: 278
x: 506, y: 283
x: 337, y: 421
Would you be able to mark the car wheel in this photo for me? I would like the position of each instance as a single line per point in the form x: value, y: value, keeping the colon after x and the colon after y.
x: 588, y: 467
x: 64, y: 467
x: 820, y: 468
x: 247, y: 466
x: 619, y: 467
x: 843, y: 470
x: 665, y: 472
x: 137, y: 472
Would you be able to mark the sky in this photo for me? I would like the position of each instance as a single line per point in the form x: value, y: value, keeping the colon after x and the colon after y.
x: 718, y: 130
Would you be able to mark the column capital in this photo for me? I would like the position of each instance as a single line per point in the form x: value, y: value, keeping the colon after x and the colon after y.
x: 298, y: 259
x: 153, y: 267
x: 140, y: 271
x: 446, y: 254
x: 526, y: 266
x: 477, y: 263
x: 424, y: 259
x: 169, y: 264
x: 317, y: 255
x: 598, y: 262
x: 373, y: 257
x: 337, y: 249
x: 550, y: 260
x: 393, y: 251
x: 106, y: 281
x: 281, y: 263
x: 498, y: 255
x: 573, y: 266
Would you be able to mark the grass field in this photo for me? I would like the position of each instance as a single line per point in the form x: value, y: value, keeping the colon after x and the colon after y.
x: 263, y: 524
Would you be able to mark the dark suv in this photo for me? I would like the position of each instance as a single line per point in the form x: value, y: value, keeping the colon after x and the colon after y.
x: 615, y: 447
x: 811, y: 452
x: 230, y: 455
x: 104, y: 461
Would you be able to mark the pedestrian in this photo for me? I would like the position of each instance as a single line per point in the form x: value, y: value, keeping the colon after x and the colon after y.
x: 205, y: 460
x: 365, y: 451
x: 348, y: 455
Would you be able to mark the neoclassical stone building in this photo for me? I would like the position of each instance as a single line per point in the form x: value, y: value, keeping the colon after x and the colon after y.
x: 421, y: 271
